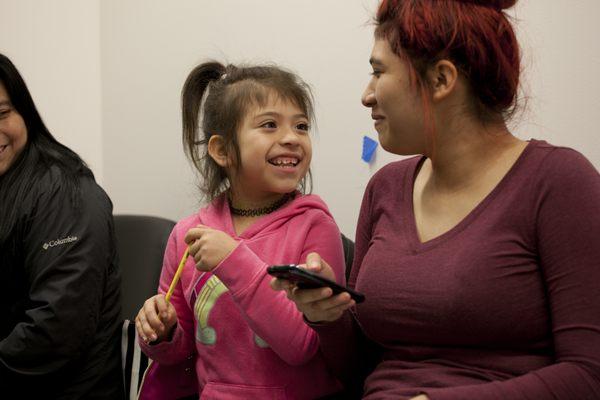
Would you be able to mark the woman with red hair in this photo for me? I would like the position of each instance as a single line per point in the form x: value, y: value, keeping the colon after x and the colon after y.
x: 479, y: 257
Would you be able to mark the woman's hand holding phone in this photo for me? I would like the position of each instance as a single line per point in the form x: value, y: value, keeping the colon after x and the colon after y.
x: 317, y: 305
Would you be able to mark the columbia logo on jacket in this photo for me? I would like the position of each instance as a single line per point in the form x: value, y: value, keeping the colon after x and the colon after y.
x: 59, y: 242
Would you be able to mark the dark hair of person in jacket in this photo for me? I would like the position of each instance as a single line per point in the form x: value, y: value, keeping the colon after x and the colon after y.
x: 41, y: 151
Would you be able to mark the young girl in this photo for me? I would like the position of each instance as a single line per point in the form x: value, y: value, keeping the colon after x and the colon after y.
x: 253, y: 152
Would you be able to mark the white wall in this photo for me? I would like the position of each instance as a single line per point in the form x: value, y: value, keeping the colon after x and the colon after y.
x: 148, y: 47
x: 56, y: 47
x: 561, y: 62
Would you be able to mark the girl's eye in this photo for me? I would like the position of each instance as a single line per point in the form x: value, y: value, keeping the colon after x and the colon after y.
x: 303, y: 126
x: 269, y: 125
x: 376, y: 73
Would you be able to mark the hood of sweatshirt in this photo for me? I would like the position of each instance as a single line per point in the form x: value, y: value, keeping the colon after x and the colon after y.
x: 217, y: 215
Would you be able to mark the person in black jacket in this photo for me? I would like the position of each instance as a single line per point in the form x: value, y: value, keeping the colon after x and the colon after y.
x: 60, y: 297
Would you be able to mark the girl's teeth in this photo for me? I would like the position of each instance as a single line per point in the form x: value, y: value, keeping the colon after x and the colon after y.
x: 285, y: 162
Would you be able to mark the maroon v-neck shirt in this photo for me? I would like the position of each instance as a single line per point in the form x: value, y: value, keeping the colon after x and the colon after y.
x: 505, y: 305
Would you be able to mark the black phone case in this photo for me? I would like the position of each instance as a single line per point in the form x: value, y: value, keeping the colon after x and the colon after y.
x: 307, y: 280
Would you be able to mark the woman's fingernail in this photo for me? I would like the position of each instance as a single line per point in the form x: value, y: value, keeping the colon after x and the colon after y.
x: 313, y: 265
x: 153, y: 337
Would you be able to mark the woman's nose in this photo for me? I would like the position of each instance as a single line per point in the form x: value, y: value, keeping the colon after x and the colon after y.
x: 368, y: 97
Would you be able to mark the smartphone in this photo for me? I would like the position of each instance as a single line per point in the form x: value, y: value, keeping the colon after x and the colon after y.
x: 307, y: 280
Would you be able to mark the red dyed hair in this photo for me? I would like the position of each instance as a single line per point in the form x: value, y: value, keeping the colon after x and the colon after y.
x: 475, y: 35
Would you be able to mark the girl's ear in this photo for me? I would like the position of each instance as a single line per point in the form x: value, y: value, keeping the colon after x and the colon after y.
x: 217, y: 151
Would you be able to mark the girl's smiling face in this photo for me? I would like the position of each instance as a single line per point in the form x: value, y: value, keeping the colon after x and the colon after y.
x: 275, y: 152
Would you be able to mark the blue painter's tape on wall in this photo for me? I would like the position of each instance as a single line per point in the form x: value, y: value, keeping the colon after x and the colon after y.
x: 368, y: 150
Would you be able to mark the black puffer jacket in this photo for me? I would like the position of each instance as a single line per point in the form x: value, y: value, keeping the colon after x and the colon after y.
x: 60, y: 297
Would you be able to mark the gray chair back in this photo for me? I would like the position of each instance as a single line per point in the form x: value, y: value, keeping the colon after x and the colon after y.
x: 348, y: 254
x: 141, y: 242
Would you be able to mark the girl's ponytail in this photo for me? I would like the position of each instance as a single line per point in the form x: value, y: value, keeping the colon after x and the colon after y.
x: 192, y: 94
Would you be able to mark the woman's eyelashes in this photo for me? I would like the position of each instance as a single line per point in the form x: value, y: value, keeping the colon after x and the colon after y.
x: 4, y: 112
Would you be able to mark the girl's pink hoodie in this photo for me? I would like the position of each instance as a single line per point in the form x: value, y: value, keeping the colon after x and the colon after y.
x: 248, y: 341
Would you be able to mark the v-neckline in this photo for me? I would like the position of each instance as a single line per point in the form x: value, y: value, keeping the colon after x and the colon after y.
x: 415, y: 242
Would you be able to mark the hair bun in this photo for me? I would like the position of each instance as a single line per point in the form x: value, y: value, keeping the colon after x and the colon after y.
x: 495, y: 4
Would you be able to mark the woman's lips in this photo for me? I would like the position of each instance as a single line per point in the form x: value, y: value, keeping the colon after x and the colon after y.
x: 377, y: 118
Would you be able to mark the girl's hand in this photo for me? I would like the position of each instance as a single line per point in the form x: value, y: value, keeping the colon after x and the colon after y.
x: 317, y: 305
x: 156, y: 319
x: 209, y: 246
x: 420, y: 397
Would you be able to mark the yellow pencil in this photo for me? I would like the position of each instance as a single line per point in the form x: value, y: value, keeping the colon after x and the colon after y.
x: 177, y: 274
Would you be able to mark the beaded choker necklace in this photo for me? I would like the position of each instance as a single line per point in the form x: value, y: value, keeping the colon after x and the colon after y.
x: 255, y: 212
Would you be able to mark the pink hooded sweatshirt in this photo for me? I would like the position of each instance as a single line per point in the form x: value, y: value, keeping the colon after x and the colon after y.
x: 249, y: 341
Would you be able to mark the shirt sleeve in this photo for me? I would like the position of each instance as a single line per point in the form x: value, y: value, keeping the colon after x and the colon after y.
x: 270, y: 314
x: 68, y: 254
x: 568, y: 229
